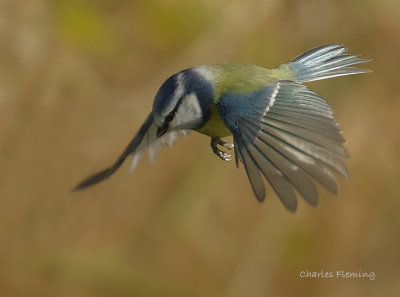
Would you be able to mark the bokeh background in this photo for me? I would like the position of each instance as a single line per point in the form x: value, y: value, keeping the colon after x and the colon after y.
x: 77, y: 79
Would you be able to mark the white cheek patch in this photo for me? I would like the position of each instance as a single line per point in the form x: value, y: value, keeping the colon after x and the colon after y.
x: 189, y: 113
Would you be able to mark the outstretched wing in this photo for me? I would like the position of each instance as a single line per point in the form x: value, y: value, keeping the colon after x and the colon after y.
x: 145, y: 139
x: 287, y: 133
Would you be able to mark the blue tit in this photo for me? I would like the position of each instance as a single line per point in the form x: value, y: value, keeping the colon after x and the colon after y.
x: 281, y: 129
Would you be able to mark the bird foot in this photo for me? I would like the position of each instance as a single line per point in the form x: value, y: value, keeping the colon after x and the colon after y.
x: 215, y: 141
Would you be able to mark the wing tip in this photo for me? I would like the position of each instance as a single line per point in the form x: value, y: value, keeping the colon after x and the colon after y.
x: 79, y: 187
x: 260, y: 197
x: 94, y: 179
x: 291, y: 208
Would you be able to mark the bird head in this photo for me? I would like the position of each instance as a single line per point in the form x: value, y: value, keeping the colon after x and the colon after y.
x: 183, y: 101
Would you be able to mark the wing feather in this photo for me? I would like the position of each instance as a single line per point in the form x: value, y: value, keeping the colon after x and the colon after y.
x: 321, y: 127
x: 145, y: 140
x: 252, y: 171
x: 317, y: 170
x: 293, y: 172
x: 273, y: 175
x: 132, y: 146
x: 316, y: 138
x: 289, y: 134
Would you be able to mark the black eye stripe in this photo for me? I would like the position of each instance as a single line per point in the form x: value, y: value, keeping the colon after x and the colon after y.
x: 169, y: 117
x: 172, y: 114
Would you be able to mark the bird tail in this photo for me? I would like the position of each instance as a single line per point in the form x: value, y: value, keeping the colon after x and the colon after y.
x: 319, y: 63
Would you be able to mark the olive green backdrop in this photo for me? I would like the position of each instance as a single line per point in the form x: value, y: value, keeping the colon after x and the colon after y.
x: 78, y: 78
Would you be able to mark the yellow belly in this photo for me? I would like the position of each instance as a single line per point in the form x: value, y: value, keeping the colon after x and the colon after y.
x: 215, y: 127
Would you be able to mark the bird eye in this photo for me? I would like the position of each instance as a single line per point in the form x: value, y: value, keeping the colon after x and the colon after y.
x: 169, y: 118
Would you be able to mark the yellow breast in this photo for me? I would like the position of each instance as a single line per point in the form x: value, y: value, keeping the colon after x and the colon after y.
x: 215, y: 127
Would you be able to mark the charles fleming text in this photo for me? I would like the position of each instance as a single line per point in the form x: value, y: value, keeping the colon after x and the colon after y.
x: 339, y: 274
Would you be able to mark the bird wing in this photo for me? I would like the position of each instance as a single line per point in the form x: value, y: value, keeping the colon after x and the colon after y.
x: 287, y: 133
x: 145, y: 140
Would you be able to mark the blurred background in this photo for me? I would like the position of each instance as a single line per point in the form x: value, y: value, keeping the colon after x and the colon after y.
x: 78, y: 78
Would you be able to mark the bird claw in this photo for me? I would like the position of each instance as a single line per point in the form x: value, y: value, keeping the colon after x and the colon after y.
x: 228, y: 145
x: 224, y: 156
x: 221, y: 154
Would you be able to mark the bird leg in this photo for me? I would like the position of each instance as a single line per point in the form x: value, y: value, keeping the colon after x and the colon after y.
x: 215, y: 141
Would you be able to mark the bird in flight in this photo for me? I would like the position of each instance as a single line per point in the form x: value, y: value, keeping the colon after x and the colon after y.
x: 281, y: 129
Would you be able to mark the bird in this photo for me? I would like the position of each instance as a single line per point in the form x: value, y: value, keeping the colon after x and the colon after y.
x: 282, y: 130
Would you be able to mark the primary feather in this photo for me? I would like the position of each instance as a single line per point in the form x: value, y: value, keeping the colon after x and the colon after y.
x: 288, y: 154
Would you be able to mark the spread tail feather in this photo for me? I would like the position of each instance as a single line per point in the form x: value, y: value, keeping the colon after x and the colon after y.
x: 322, y: 62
